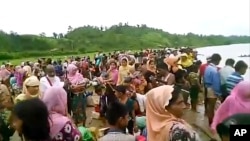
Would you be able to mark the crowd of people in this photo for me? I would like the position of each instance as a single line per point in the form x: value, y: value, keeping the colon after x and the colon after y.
x: 143, y: 96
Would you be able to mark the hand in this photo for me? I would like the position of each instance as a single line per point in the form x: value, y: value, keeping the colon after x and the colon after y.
x: 66, y: 82
x: 136, y: 130
x: 201, y: 90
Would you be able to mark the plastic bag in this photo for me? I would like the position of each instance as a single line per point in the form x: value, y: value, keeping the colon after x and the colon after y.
x: 86, y: 134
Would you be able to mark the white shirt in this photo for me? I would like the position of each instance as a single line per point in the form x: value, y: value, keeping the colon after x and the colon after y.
x: 44, y: 83
x: 142, y: 101
x: 225, y: 72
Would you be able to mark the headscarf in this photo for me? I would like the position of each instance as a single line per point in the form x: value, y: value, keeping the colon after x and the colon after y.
x: 74, y: 78
x: 4, y: 73
x: 30, y: 81
x: 27, y: 70
x: 149, y: 68
x: 159, y: 120
x: 113, y: 72
x: 125, y: 58
x: 5, y: 97
x: 2, y: 67
x: 237, y: 102
x: 19, y: 73
x: 55, y: 99
x: 17, y: 68
x: 172, y: 61
x: 4, y: 90
x: 187, y: 63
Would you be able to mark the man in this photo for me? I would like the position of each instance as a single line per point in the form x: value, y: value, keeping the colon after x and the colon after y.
x: 201, y: 75
x: 50, y: 79
x: 224, y: 73
x: 203, y: 67
x: 117, y: 116
x: 212, y: 83
x: 235, y: 78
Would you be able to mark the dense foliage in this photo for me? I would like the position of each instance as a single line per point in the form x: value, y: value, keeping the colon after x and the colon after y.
x: 92, y: 39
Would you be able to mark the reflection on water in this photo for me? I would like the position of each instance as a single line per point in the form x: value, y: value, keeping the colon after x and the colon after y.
x: 228, y: 51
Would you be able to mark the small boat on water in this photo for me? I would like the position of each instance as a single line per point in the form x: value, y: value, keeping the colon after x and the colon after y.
x: 245, y: 55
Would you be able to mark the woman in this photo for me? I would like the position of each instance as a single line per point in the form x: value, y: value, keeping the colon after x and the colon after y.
x: 164, y: 108
x: 223, y: 129
x: 31, y: 120
x: 149, y: 74
x: 19, y: 75
x: 124, y: 71
x: 5, y: 111
x: 30, y: 89
x: 77, y: 85
x: 172, y: 62
x: 237, y: 102
x: 61, y: 127
x: 36, y: 70
x: 27, y: 72
x: 164, y: 76
x: 113, y: 73
x: 4, y: 75
x: 185, y: 61
x: 122, y: 93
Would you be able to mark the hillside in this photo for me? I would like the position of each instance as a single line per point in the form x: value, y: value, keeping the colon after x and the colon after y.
x: 92, y: 39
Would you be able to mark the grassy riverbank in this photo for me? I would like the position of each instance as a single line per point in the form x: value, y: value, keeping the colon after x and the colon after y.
x: 33, y: 59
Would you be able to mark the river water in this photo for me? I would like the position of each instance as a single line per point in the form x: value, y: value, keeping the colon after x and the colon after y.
x: 228, y: 51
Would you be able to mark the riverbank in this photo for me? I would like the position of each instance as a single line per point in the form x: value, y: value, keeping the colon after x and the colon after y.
x: 54, y: 57
x: 205, y: 51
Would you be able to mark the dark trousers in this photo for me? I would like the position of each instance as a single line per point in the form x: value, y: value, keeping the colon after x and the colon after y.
x: 205, y: 99
x: 224, y: 93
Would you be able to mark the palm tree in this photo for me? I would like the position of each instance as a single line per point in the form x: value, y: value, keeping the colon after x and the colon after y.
x: 70, y: 28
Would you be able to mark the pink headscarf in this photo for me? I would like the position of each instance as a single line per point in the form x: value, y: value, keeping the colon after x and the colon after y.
x: 55, y: 99
x: 73, y: 75
x: 4, y: 73
x: 237, y: 102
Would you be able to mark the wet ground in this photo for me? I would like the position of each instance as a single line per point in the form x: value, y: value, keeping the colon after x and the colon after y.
x: 199, y: 123
x: 196, y: 119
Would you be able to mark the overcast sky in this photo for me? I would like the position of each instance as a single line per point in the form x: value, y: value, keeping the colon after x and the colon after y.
x: 227, y: 17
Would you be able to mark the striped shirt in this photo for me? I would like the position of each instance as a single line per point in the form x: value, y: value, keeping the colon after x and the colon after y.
x: 232, y: 81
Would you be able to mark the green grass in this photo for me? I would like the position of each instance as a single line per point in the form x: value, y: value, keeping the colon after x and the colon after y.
x: 34, y: 59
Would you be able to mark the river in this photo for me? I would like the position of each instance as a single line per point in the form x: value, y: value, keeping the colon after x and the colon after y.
x: 228, y: 51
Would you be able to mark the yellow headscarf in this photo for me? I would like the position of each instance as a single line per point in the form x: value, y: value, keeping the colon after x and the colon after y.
x: 186, y: 63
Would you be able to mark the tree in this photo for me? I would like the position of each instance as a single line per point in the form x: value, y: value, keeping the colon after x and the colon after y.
x: 117, y: 37
x: 61, y: 35
x: 55, y: 35
x: 69, y: 28
x: 42, y: 34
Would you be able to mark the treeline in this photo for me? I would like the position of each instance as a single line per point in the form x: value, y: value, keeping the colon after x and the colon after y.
x: 92, y: 39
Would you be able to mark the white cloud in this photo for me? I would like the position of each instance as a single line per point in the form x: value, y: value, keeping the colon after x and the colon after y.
x: 176, y: 16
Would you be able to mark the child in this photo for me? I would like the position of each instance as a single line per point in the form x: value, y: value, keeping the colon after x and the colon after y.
x: 103, y: 103
x: 195, y: 88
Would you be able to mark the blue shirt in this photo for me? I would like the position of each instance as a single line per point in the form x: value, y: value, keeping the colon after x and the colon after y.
x: 232, y: 81
x: 212, y: 79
